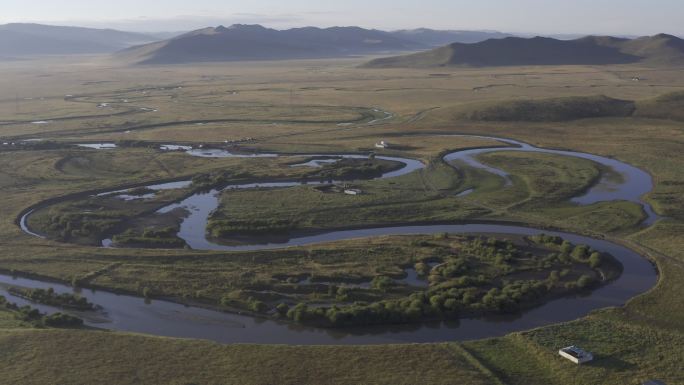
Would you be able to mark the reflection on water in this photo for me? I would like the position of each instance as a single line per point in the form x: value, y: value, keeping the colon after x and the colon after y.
x: 217, y: 153
x: 98, y: 146
x: 171, y: 185
x: 316, y: 163
x: 129, y: 197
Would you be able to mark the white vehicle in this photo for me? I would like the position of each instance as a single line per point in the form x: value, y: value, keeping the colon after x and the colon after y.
x: 576, y: 355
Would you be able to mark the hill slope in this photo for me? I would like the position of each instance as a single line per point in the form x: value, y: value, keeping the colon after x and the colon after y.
x: 512, y: 51
x: 435, y: 38
x: 38, y: 39
x: 669, y: 106
x: 254, y: 42
x: 547, y: 110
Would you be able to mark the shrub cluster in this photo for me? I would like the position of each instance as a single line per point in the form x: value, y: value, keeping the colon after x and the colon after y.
x: 38, y: 319
x: 151, y: 237
x: 221, y: 228
x: 67, y: 225
x: 49, y: 297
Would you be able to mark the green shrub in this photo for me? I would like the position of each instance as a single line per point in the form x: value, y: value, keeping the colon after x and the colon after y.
x: 282, y: 309
x: 382, y: 283
x: 61, y: 320
x: 595, y: 260
x: 585, y: 281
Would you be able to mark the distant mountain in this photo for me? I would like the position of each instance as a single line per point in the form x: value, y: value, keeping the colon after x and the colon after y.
x: 38, y: 39
x: 436, y: 38
x: 658, y: 49
x: 512, y: 51
x: 254, y: 42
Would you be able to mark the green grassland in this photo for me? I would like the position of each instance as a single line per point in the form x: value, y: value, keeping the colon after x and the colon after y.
x: 90, y: 217
x: 430, y: 194
x: 550, y: 110
x: 417, y: 197
x: 633, y: 343
x: 39, y: 358
x: 548, y: 181
x: 666, y: 106
x: 643, y: 353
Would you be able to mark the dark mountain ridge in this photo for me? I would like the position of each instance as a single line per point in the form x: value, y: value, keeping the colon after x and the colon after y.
x: 512, y: 51
x: 255, y: 42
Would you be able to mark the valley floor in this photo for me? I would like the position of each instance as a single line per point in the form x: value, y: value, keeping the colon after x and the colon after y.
x: 334, y: 107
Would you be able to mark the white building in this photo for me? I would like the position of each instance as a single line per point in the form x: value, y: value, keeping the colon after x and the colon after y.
x: 352, y: 191
x: 576, y: 355
x: 382, y: 144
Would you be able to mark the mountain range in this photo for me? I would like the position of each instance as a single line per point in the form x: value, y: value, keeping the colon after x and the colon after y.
x: 237, y: 42
x: 511, y: 51
x: 37, y: 39
x: 254, y: 42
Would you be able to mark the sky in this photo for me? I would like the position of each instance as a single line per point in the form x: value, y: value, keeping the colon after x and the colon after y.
x: 616, y: 17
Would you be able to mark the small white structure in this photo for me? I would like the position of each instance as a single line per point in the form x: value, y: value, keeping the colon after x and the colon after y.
x: 174, y: 147
x: 352, y: 191
x: 576, y: 355
x: 382, y: 144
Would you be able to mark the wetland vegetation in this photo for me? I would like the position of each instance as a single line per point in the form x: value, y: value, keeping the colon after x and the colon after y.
x: 464, y: 276
x: 49, y: 297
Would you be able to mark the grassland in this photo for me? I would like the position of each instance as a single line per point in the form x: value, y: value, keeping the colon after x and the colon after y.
x: 550, y: 110
x: 424, y: 196
x: 128, y: 214
x: 666, y: 106
x: 167, y: 361
x: 633, y: 343
x: 429, y: 195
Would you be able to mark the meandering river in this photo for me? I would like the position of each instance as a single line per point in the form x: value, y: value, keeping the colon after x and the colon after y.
x: 129, y: 313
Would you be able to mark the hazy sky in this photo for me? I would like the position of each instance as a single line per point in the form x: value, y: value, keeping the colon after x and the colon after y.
x: 635, y: 17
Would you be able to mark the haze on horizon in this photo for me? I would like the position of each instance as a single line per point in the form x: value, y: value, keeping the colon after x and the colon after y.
x: 610, y: 17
